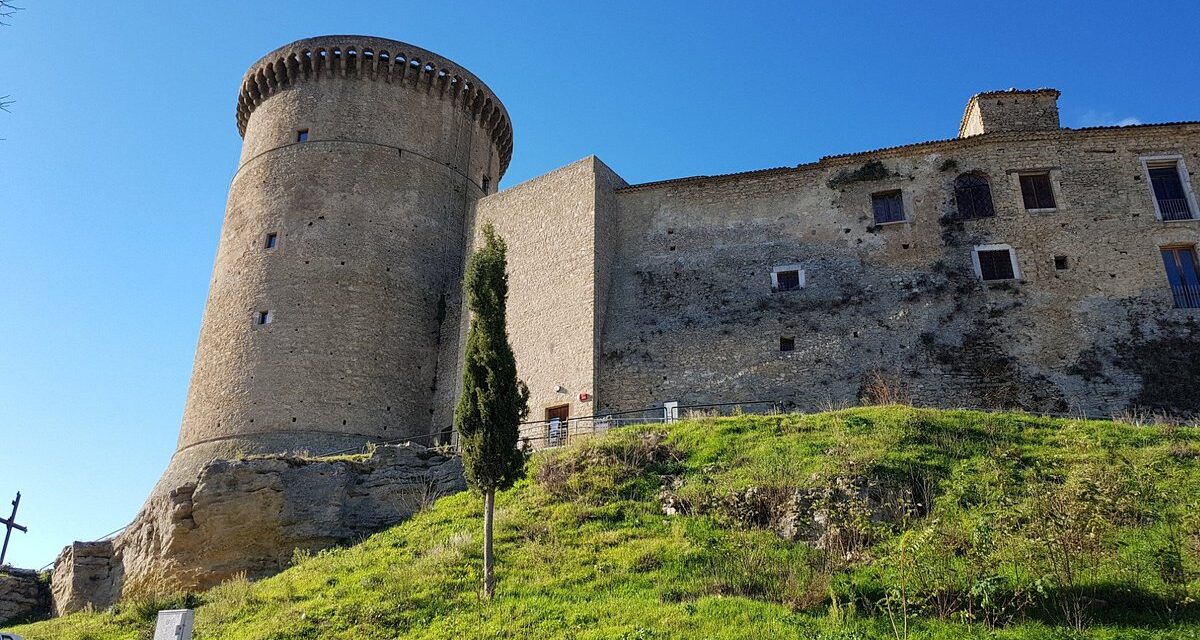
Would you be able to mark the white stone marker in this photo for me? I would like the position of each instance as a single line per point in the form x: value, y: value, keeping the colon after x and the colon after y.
x: 175, y: 624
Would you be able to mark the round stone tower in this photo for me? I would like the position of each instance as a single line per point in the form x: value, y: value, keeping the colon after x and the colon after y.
x: 342, y: 248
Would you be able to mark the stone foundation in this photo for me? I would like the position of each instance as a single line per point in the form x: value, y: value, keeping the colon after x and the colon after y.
x: 249, y: 517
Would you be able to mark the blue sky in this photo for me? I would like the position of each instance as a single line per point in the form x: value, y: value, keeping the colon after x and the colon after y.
x: 121, y: 143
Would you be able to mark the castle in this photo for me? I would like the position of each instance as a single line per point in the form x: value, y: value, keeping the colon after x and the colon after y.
x: 1018, y: 264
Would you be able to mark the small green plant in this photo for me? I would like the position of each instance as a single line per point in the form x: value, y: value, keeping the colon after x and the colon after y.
x: 868, y: 172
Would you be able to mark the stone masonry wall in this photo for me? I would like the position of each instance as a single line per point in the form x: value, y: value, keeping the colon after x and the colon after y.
x: 86, y: 573
x: 692, y: 317
x: 553, y: 225
x: 1013, y: 110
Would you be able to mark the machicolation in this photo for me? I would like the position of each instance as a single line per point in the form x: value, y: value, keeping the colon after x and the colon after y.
x: 375, y: 59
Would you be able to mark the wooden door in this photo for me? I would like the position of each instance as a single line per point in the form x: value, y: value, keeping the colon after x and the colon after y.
x: 557, y: 421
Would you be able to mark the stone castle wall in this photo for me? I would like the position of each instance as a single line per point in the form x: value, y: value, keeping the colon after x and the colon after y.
x: 558, y: 229
x: 1013, y: 110
x: 681, y: 291
x: 367, y: 171
x: 24, y: 596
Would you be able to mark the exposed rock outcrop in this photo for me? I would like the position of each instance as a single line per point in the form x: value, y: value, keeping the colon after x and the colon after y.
x: 249, y: 516
x: 838, y: 514
x: 24, y: 595
x: 85, y: 572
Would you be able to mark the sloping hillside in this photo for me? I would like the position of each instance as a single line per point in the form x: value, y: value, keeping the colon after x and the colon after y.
x: 863, y: 523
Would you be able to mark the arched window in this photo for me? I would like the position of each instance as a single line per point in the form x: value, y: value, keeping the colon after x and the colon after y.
x: 973, y: 196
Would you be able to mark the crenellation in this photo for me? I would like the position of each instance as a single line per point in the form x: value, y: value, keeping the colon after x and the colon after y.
x: 409, y: 66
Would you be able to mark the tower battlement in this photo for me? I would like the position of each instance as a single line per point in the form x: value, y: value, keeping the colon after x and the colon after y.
x: 376, y: 59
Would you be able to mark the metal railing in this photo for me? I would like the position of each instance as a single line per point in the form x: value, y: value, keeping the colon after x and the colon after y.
x: 544, y: 434
x: 539, y: 434
x: 1174, y: 209
x: 1187, y: 296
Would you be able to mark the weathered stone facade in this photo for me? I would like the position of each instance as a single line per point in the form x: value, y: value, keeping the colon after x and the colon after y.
x: 335, y: 318
x: 1088, y: 324
x: 560, y: 230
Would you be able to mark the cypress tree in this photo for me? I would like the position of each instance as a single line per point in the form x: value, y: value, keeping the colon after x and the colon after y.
x: 493, y: 401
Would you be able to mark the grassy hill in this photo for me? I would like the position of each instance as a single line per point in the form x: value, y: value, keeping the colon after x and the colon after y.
x: 849, y: 524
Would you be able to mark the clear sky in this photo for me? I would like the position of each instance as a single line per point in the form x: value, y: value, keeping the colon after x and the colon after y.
x: 121, y: 143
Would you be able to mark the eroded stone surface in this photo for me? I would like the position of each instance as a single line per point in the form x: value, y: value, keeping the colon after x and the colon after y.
x: 249, y: 516
x: 24, y: 595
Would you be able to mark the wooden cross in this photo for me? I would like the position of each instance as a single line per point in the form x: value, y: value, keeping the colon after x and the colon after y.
x: 10, y: 524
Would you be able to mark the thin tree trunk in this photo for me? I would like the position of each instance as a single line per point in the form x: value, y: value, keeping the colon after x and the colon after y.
x: 489, y: 580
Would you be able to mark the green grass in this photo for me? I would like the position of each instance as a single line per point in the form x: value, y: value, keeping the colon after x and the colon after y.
x: 1034, y: 528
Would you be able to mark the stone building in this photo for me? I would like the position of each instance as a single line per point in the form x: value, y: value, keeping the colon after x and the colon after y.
x: 1019, y: 264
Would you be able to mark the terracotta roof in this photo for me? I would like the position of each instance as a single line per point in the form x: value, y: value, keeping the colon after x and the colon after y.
x: 1056, y: 92
x: 710, y: 177
x: 973, y: 140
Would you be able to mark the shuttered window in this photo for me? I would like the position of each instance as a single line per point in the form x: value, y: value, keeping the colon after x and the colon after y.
x: 888, y: 207
x: 1037, y: 191
x: 996, y: 264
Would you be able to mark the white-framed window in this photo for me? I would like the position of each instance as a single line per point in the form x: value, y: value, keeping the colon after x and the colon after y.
x: 787, y: 277
x: 1170, y: 188
x: 995, y: 263
x: 1183, y: 274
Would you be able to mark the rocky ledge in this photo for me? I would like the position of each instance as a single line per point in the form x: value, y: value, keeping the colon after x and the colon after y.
x: 24, y: 596
x: 249, y: 516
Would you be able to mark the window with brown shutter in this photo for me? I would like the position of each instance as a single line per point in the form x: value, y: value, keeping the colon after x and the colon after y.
x: 995, y: 264
x: 1037, y: 191
x: 888, y: 207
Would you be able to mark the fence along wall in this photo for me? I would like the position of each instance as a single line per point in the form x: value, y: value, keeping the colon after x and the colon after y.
x: 1089, y: 323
